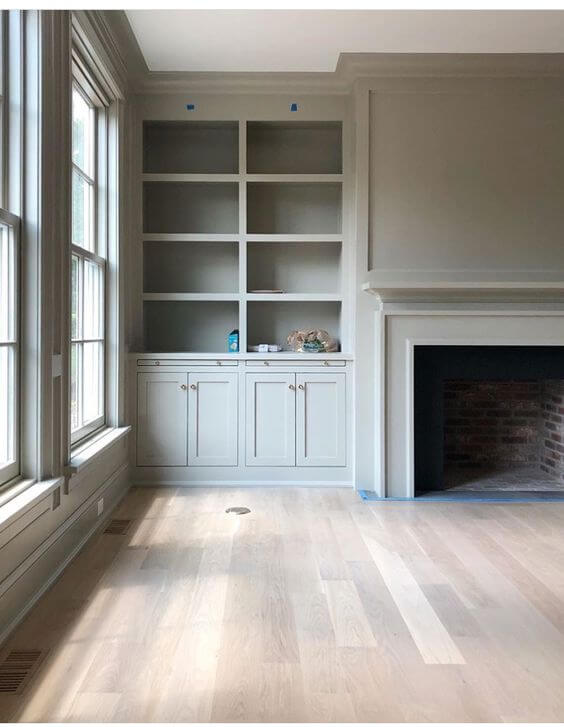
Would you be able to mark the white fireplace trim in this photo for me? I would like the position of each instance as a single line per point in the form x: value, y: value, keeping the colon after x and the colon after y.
x: 396, y: 335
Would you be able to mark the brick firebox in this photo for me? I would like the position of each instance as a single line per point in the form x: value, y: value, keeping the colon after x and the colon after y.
x: 499, y: 425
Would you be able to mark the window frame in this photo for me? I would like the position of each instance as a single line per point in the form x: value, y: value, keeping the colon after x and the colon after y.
x: 85, y: 84
x: 10, y: 163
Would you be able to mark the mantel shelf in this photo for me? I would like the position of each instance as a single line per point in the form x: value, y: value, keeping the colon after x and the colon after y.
x: 407, y: 286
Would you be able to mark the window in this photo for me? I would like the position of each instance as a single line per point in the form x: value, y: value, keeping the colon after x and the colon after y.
x: 88, y: 264
x: 9, y: 288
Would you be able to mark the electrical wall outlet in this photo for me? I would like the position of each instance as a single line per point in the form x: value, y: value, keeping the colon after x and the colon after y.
x: 100, y: 506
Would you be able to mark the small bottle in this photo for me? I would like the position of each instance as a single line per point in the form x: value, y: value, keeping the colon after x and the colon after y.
x: 233, y: 341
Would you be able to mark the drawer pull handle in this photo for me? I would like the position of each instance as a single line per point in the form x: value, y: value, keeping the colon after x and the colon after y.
x: 183, y: 387
x: 301, y: 386
x: 292, y: 387
x: 193, y: 387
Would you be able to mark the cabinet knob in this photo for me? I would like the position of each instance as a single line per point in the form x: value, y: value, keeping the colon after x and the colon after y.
x: 266, y: 363
x: 326, y: 363
x: 218, y: 363
x: 291, y: 386
x: 193, y: 387
x: 301, y: 386
x: 183, y: 387
x: 157, y: 363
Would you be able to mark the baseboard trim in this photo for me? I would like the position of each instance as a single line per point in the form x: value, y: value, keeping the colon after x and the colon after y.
x: 32, y: 559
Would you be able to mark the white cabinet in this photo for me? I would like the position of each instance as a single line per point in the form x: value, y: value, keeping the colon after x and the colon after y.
x: 271, y: 420
x: 320, y: 420
x: 201, y: 421
x: 212, y: 419
x: 296, y: 420
x: 161, y: 419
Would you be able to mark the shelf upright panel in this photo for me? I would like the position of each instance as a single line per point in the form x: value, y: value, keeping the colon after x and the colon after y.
x: 242, y: 234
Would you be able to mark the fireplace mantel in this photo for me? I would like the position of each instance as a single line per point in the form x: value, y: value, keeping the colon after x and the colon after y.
x: 391, y: 286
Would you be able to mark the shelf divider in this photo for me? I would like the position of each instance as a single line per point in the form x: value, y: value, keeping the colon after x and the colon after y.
x: 191, y: 296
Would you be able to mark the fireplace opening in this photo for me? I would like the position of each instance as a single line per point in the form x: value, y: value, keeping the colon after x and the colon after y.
x: 489, y: 418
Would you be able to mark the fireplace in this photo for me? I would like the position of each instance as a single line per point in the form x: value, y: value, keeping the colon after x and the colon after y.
x: 489, y: 418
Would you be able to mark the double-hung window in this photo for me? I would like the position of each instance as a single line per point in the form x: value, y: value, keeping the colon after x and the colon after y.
x: 88, y: 264
x: 9, y: 289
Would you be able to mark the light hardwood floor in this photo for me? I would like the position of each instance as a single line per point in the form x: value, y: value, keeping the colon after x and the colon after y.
x: 315, y: 607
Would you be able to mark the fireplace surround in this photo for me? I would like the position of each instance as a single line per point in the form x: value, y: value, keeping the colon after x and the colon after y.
x: 422, y: 310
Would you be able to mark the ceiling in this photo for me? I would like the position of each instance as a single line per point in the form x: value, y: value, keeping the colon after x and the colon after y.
x: 311, y: 40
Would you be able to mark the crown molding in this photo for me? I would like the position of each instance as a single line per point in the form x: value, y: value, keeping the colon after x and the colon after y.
x: 353, y: 66
x: 113, y: 31
x: 107, y: 35
x: 155, y: 82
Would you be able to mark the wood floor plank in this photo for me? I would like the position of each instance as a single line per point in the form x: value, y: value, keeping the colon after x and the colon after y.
x: 315, y: 607
x: 347, y: 614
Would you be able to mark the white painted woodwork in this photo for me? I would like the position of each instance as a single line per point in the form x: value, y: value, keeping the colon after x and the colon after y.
x: 200, y: 207
x: 233, y: 176
x: 271, y: 419
x: 162, y: 413
x: 205, y: 147
x: 212, y: 419
x: 410, y: 325
x: 320, y: 420
x: 189, y: 325
x: 294, y: 207
x: 271, y: 321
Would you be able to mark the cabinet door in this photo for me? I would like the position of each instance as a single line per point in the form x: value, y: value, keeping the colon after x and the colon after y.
x: 321, y: 429
x: 271, y: 420
x: 162, y: 413
x: 212, y: 420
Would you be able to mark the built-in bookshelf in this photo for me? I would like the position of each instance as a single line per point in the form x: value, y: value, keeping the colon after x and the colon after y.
x: 233, y: 212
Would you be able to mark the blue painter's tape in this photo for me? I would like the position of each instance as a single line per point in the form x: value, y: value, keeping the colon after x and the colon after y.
x: 293, y: 107
x: 190, y: 107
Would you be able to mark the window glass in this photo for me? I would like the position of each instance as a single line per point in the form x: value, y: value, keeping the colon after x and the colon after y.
x: 88, y: 271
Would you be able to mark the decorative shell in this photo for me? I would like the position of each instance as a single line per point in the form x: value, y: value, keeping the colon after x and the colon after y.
x: 315, y: 340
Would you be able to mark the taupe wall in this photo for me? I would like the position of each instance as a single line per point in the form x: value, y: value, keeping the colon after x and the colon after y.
x: 467, y: 175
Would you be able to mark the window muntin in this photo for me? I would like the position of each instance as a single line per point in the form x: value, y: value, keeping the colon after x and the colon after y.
x: 88, y: 268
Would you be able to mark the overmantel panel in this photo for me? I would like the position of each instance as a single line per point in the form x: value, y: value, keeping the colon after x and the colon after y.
x: 465, y: 174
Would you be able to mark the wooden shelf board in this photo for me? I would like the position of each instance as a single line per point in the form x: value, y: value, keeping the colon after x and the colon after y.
x: 298, y: 297
x: 293, y: 238
x: 188, y: 237
x: 251, y: 355
x: 315, y: 178
x: 191, y: 296
x: 171, y: 177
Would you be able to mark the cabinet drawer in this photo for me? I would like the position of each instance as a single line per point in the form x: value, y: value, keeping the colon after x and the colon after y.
x: 184, y: 362
x: 296, y: 363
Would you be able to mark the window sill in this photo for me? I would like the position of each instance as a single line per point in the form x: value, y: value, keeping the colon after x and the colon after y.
x: 12, y: 505
x: 85, y: 455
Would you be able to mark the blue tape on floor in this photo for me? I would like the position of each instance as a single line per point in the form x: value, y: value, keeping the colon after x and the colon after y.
x: 514, y: 497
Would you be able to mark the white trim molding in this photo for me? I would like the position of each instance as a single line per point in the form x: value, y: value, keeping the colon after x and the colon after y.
x: 399, y: 329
